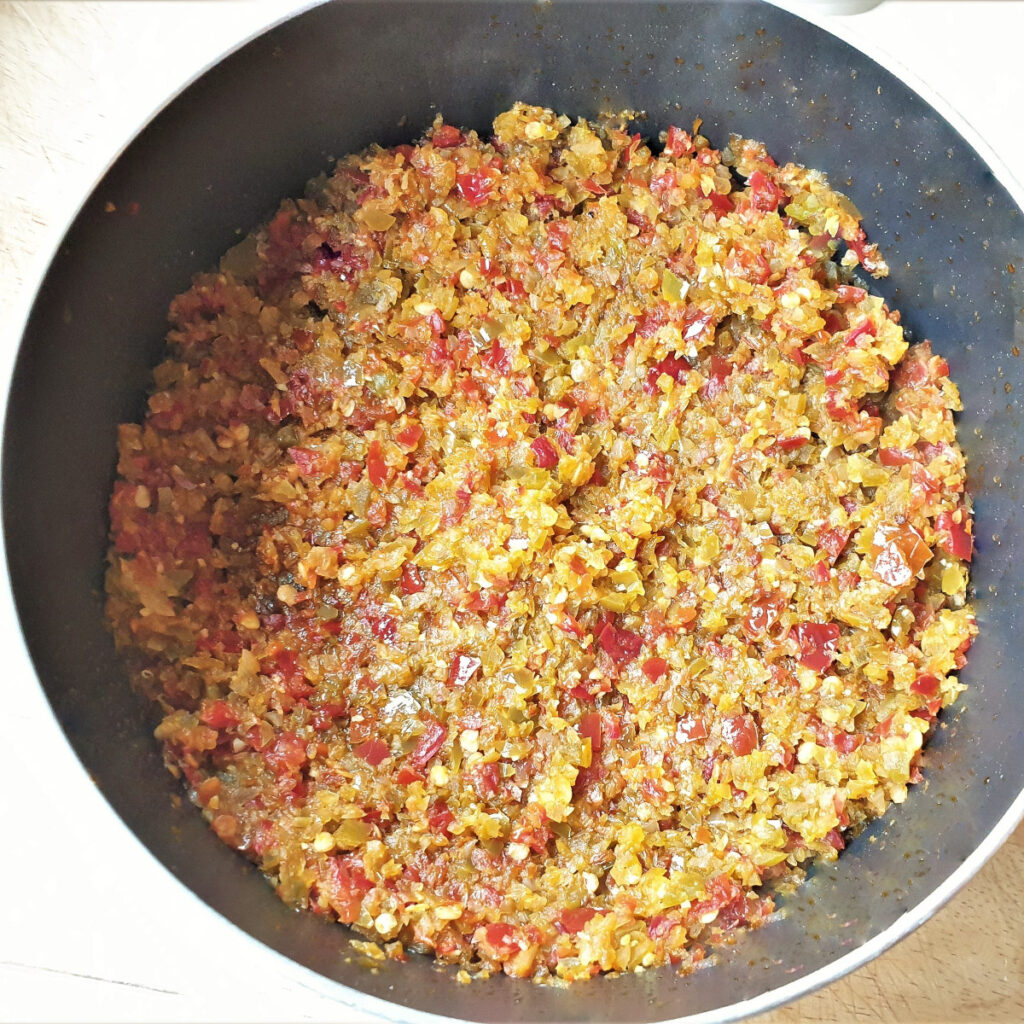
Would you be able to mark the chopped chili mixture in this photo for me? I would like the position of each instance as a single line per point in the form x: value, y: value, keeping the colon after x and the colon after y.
x: 534, y: 545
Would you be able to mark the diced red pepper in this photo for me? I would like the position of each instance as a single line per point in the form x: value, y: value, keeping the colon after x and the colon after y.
x: 462, y: 669
x: 376, y: 467
x: 740, y: 732
x: 678, y: 143
x: 486, y: 601
x: 842, y: 742
x: 446, y: 136
x: 501, y: 941
x: 926, y: 686
x: 817, y: 642
x: 486, y: 779
x: 848, y: 294
x: 307, y: 459
x: 263, y: 838
x: 662, y: 183
x: 652, y: 790
x: 559, y: 234
x: 593, y: 187
x: 475, y: 186
x: 660, y: 925
x: 651, y: 321
x: 429, y: 743
x: 726, y: 897
x: 791, y: 444
x: 344, y: 883
x: 536, y: 839
x: 931, y: 451
x: 439, y: 817
x: 953, y: 536
x: 858, y: 332
x: 835, y: 839
x: 895, y: 457
x: 497, y: 358
x: 672, y: 366
x: 721, y: 203
x: 383, y: 628
x: 689, y: 728
x: 284, y: 665
x: 654, y: 668
x: 832, y: 542
x: 695, y: 323
x: 765, y: 195
x: 569, y: 624
x: 325, y: 714
x: 763, y: 614
x: 217, y: 714
x: 412, y: 579
x: 719, y: 373
x: 590, y: 728
x: 287, y: 753
x: 407, y: 776
x: 574, y: 920
x: 372, y: 752
x: 409, y: 436
x: 545, y: 453
x: 345, y: 262
x: 621, y: 645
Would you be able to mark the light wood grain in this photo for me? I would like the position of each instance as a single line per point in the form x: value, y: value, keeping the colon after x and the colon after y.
x: 964, y: 966
x: 75, y: 80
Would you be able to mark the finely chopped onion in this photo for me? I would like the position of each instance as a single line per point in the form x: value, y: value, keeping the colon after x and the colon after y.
x: 534, y: 546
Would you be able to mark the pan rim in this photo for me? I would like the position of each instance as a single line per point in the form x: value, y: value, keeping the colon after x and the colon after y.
x: 337, y: 991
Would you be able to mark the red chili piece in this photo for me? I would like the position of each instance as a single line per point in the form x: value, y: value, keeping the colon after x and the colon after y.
x: 817, y: 642
x: 409, y: 436
x: 953, y: 536
x: 721, y: 203
x: 740, y: 732
x: 475, y: 186
x: 765, y: 195
x: 446, y: 136
x: 654, y: 668
x: 832, y: 542
x: 672, y: 366
x: 545, y: 453
x: 677, y: 142
x: 376, y: 467
x: 462, y: 669
x: 372, y: 752
x: 927, y: 686
x: 689, y: 728
x: 590, y: 728
x: 574, y: 920
x: 412, y: 579
x: 217, y: 714
x: 621, y: 645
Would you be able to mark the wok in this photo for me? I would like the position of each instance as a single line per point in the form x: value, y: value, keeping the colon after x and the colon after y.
x: 339, y: 76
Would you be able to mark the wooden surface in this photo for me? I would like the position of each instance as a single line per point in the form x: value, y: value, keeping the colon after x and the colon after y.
x: 76, y: 79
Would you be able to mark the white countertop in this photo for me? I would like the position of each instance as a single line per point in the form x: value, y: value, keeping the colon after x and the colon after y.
x: 91, y: 927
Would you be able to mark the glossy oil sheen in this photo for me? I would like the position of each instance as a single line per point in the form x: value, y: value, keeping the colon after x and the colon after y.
x: 252, y: 131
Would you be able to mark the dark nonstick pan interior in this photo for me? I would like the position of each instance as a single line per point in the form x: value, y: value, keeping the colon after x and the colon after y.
x: 251, y: 131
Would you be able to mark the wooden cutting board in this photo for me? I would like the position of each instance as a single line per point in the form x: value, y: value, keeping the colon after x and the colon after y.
x: 965, y: 966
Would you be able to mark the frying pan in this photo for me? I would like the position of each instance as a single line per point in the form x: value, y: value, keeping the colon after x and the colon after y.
x: 339, y: 76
